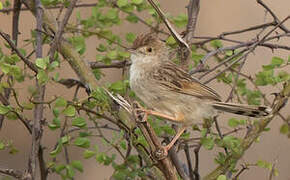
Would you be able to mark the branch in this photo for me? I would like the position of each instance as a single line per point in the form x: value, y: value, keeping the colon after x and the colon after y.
x: 115, y: 64
x: 7, y: 10
x: 38, y: 111
x: 277, y: 21
x: 173, y: 32
x: 67, y: 51
x: 13, y: 173
x: 14, y: 48
x: 59, y: 33
x: 192, y: 12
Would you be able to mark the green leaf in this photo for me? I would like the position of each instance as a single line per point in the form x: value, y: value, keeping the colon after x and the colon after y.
x: 65, y: 139
x: 122, y: 3
x: 130, y: 37
x: 277, y: 61
x: 77, y: 165
x: 88, y: 154
x: 82, y: 142
x: 137, y: 1
x: 69, y: 171
x: 60, y: 102
x: 79, y: 122
x: 54, y: 64
x: 112, y: 14
x: 180, y: 21
x: 2, y: 145
x: 1, y: 5
x: 57, y: 150
x: 112, y: 55
x: 42, y: 63
x: 233, y: 122
x: 42, y: 77
x: 59, y: 168
x: 222, y: 177
x: 4, y: 109
x: 216, y: 44
x: 207, y: 143
x: 132, y: 18
x: 70, y: 111
x: 170, y: 41
x: 101, y: 48
x: 284, y: 129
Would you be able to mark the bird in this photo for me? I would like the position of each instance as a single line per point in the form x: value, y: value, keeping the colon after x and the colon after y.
x: 170, y: 92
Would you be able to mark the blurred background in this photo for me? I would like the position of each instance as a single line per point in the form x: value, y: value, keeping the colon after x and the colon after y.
x: 216, y: 16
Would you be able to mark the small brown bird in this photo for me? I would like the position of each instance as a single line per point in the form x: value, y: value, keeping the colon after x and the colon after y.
x: 172, y: 93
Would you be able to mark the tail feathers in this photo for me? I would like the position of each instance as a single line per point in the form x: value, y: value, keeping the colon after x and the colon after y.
x: 242, y: 109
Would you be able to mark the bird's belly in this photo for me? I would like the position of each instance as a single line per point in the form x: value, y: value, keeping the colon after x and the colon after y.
x: 193, y: 110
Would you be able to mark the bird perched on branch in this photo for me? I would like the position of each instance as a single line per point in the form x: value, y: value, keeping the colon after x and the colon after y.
x: 172, y: 93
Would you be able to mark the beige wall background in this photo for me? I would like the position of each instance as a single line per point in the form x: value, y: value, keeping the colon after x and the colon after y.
x: 216, y: 16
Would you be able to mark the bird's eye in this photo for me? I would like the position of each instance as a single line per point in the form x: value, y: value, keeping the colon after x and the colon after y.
x: 149, y: 49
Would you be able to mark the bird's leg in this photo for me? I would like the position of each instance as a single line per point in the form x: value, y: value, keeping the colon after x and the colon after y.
x: 175, y: 138
x: 163, y: 152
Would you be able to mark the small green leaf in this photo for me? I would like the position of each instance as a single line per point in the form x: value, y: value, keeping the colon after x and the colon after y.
x: 82, y: 142
x: 233, y: 122
x: 4, y: 109
x: 1, y: 5
x: 277, y: 61
x: 42, y: 62
x: 180, y: 21
x: 216, y: 44
x: 112, y: 55
x: 56, y: 150
x: 137, y: 1
x: 54, y: 64
x: 222, y: 177
x: 60, y: 102
x: 42, y: 77
x: 59, y: 168
x: 112, y: 14
x: 88, y: 154
x: 170, y: 41
x: 122, y: 3
x: 65, y: 139
x: 70, y: 111
x: 77, y: 165
x: 79, y: 122
x: 132, y: 18
x: 2, y: 145
x: 69, y: 171
x: 130, y: 37
x: 207, y: 143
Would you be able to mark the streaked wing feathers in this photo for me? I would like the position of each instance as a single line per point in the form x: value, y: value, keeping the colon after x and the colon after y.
x: 177, y: 80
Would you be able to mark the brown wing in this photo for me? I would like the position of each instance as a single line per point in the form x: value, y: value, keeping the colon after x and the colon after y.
x: 175, y: 79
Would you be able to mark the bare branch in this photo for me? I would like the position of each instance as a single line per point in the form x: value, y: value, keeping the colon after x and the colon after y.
x: 176, y: 36
x: 38, y: 111
x: 61, y: 27
x: 13, y: 173
x: 277, y: 21
x: 192, y: 12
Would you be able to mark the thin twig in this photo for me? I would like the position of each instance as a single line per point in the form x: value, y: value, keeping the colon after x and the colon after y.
x: 7, y: 10
x: 281, y: 26
x: 60, y: 30
x: 12, y: 45
x: 192, y: 12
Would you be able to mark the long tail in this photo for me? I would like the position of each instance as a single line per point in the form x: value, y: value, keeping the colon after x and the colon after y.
x: 243, y: 109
